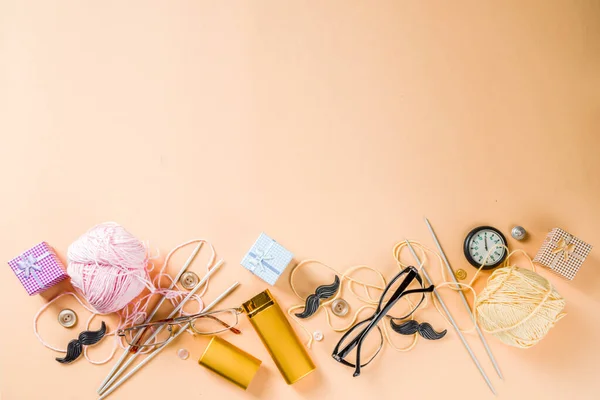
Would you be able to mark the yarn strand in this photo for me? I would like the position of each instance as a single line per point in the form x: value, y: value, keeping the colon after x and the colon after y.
x: 518, y: 306
x: 133, y: 312
x: 368, y: 301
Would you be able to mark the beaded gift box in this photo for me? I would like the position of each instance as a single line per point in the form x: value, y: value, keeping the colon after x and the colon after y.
x: 563, y: 253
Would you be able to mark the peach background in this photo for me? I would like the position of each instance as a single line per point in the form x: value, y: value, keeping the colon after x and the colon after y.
x: 333, y: 126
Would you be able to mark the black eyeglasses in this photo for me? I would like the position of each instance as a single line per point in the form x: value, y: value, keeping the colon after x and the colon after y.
x: 355, y: 336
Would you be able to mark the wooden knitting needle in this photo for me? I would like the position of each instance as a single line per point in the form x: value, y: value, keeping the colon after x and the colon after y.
x: 464, y: 299
x: 451, y: 319
x: 155, y: 353
x: 154, y: 311
x: 161, y: 327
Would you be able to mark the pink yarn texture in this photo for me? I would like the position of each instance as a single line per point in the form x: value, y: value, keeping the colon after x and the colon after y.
x: 108, y: 266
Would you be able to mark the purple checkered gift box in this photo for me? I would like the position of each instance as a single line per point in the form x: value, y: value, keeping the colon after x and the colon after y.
x: 38, y: 268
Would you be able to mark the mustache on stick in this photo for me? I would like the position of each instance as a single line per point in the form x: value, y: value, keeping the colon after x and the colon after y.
x: 314, y: 300
x: 86, y: 338
x: 424, y: 329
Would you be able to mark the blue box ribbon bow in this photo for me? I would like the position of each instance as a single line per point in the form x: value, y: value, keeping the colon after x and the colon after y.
x: 267, y: 259
x: 259, y: 259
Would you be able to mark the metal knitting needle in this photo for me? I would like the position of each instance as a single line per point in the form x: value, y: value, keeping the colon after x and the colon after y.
x: 464, y: 299
x: 155, y: 353
x: 451, y: 319
x: 161, y: 327
x: 154, y: 311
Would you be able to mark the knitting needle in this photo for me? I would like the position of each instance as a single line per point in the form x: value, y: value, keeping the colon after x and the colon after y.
x: 464, y: 299
x: 161, y: 327
x: 450, y: 318
x: 154, y: 311
x: 155, y: 353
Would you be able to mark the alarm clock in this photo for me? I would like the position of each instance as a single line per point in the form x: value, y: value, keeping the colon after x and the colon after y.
x: 478, y: 244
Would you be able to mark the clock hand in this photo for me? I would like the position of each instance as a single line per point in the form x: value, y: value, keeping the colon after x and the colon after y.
x: 486, y: 246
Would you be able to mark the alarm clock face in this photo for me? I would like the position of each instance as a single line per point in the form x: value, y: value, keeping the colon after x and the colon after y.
x: 478, y: 244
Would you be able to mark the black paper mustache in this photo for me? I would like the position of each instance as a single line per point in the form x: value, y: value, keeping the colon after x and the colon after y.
x: 425, y: 329
x: 86, y: 338
x: 314, y: 300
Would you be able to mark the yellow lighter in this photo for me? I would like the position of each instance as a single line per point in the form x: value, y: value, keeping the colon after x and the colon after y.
x: 278, y: 336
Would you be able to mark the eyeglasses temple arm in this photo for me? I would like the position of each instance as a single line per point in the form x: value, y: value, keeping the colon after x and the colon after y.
x: 357, y: 369
x: 354, y: 342
x: 225, y: 324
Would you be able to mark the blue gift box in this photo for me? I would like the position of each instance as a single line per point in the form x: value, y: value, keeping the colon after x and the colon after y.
x: 267, y: 259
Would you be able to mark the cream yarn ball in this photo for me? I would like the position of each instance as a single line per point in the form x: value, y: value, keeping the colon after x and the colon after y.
x: 518, y: 306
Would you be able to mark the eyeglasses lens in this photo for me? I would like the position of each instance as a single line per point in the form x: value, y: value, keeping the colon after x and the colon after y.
x: 371, y: 344
x: 213, y: 323
x: 407, y: 304
x: 148, y: 336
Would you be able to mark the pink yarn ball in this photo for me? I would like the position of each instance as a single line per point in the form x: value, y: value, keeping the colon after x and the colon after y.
x: 107, y: 265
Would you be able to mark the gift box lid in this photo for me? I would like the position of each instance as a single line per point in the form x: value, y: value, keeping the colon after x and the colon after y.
x: 267, y: 259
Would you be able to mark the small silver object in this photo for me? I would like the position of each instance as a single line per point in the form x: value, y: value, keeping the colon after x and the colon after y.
x: 518, y: 232
x: 318, y: 335
x: 67, y: 318
x: 189, y: 280
x: 340, y: 307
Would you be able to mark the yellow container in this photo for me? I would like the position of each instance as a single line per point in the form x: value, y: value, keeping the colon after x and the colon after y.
x: 230, y: 362
x: 279, y: 337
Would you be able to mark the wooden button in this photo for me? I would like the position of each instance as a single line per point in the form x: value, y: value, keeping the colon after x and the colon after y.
x: 67, y: 318
x: 189, y: 280
x: 340, y: 307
